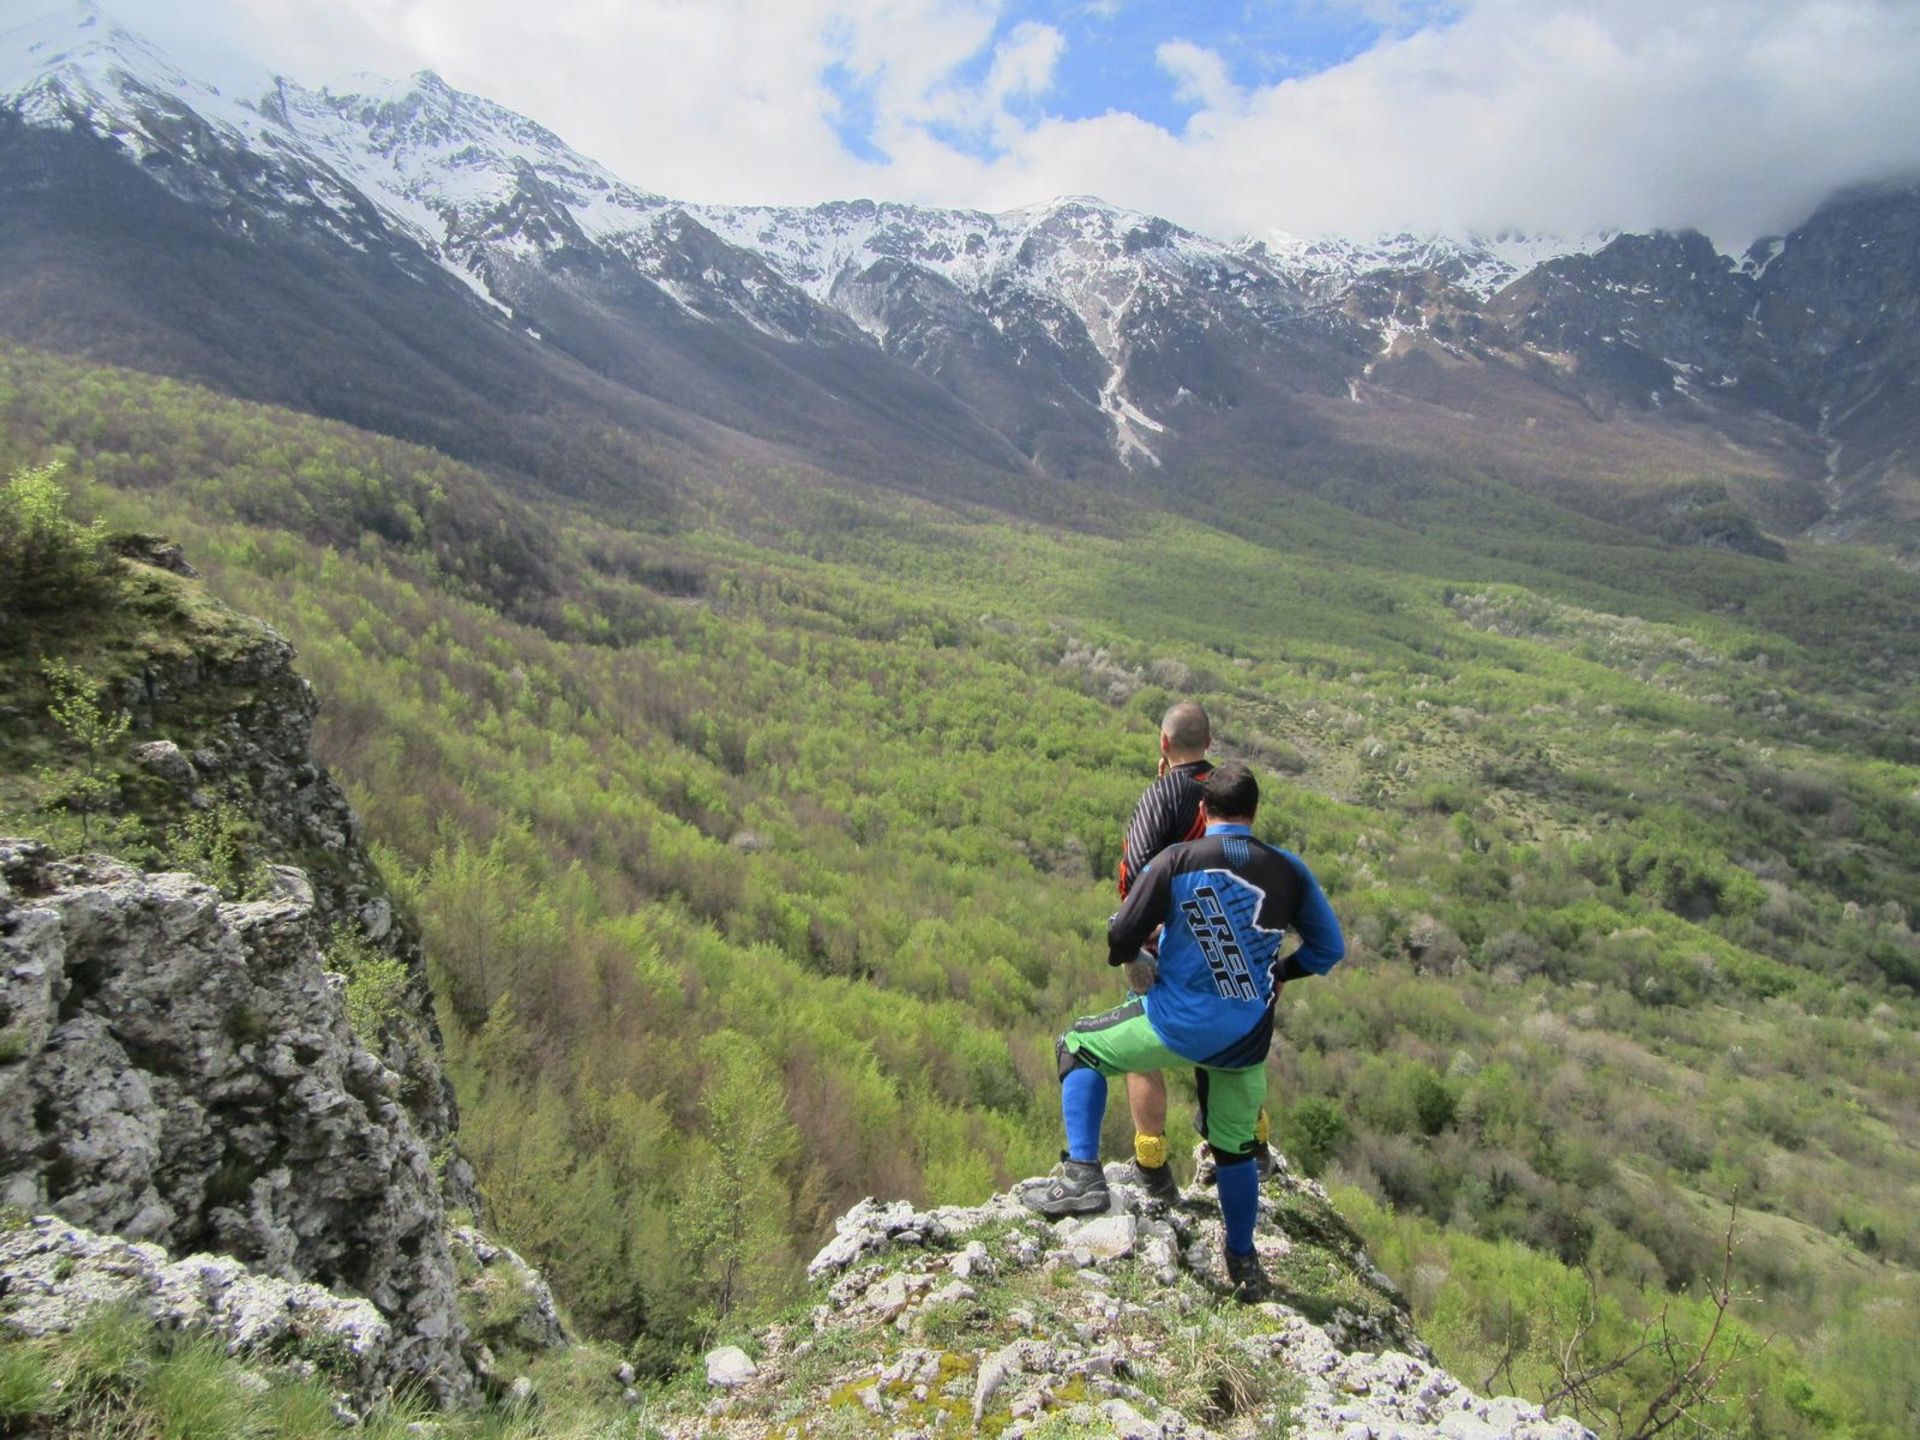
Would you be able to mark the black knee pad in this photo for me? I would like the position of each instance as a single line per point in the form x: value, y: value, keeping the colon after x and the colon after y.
x: 1068, y: 1059
x: 1221, y: 1157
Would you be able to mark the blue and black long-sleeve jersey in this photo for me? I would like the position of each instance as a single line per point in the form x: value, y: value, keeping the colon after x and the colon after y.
x: 1227, y: 901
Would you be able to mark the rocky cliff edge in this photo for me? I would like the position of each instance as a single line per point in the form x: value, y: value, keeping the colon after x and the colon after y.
x: 196, y: 1119
x: 180, y: 1071
x: 991, y: 1321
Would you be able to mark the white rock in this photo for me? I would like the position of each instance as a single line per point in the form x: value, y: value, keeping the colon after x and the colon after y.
x: 1107, y: 1238
x: 889, y: 1297
x: 165, y: 759
x: 730, y: 1367
x: 1127, y: 1422
x: 972, y: 1261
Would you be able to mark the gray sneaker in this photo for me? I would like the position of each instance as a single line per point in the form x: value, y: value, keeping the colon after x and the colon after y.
x: 1248, y: 1281
x: 1078, y: 1188
x: 1156, y: 1182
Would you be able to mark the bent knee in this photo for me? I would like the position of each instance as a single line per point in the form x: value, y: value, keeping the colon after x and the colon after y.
x: 1068, y: 1058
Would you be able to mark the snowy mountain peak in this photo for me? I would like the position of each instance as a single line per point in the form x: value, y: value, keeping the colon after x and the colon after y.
x: 1481, y: 264
x: 76, y: 56
x: 445, y: 169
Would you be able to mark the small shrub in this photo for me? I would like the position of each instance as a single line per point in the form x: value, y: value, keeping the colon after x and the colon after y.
x: 376, y: 983
x: 211, y: 845
x: 48, y: 562
x: 28, y: 1387
x: 74, y: 707
x: 1311, y: 1131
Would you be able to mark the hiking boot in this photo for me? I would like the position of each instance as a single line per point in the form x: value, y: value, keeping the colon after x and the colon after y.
x: 1156, y: 1182
x: 1079, y: 1187
x: 1247, y: 1280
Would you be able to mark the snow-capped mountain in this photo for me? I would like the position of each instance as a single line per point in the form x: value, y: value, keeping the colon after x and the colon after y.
x: 1480, y: 264
x: 1069, y: 274
x: 1075, y: 285
x: 1071, y: 339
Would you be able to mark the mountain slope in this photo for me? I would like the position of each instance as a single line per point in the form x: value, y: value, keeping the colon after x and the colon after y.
x: 772, y: 847
x: 427, y: 263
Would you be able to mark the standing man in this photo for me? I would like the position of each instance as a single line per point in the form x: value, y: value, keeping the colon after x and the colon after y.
x: 1227, y: 902
x: 1168, y: 813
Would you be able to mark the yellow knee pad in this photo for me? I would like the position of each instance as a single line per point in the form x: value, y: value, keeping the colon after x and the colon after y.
x: 1150, y: 1150
x: 1260, y: 1128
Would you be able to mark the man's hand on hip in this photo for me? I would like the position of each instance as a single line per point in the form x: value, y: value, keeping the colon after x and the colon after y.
x: 1142, y: 971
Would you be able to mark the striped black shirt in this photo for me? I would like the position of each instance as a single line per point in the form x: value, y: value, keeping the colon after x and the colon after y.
x: 1167, y: 814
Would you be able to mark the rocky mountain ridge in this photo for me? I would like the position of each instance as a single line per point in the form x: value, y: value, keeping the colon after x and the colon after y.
x: 983, y: 355
x: 989, y: 1320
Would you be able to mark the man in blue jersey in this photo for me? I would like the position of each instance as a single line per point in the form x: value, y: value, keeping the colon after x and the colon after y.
x: 1227, y: 902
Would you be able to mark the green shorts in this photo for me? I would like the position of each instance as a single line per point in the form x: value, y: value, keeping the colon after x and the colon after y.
x: 1122, y: 1042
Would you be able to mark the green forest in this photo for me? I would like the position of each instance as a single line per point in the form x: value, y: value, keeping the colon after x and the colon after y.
x: 760, y: 851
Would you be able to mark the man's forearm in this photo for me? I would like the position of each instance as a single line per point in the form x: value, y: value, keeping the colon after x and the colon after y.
x: 1322, y: 946
x: 1144, y: 911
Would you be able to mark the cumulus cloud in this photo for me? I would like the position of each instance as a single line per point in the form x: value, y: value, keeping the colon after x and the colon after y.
x: 1021, y: 70
x: 1200, y: 77
x: 1555, y: 115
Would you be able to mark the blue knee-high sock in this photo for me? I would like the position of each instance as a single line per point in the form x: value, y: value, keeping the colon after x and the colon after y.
x: 1083, y: 1105
x: 1239, y: 1185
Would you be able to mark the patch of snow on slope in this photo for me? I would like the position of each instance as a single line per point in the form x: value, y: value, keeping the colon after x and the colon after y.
x: 1481, y: 264
x: 1099, y: 261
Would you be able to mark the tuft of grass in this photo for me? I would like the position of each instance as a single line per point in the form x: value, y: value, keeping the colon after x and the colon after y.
x: 109, y: 1354
x: 196, y: 1393
x: 29, y: 1389
x: 1207, y: 1370
x: 298, y: 1411
x: 118, y: 1377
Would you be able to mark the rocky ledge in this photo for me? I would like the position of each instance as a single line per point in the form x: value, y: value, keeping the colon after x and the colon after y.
x: 178, y: 1069
x: 989, y: 1320
x: 59, y: 1276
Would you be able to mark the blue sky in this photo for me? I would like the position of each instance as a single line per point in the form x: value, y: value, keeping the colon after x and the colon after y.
x: 1110, y: 57
x: 1230, y: 116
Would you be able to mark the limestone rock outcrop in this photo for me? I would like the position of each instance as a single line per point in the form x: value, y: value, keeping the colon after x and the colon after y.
x: 60, y: 1275
x: 988, y: 1320
x: 232, y: 724
x: 179, y: 1069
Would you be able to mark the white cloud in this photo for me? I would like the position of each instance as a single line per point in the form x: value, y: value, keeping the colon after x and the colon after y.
x: 1200, y: 76
x: 1021, y: 70
x: 1736, y: 115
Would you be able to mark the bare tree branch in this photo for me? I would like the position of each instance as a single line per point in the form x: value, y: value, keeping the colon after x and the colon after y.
x: 1694, y: 1369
